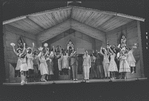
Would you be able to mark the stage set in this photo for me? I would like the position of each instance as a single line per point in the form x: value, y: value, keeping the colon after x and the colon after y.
x: 78, y: 27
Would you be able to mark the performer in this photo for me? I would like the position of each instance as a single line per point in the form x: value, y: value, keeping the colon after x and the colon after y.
x: 117, y: 49
x: 65, y: 63
x: 99, y: 67
x: 43, y: 65
x: 123, y: 41
x: 30, y: 62
x: 55, y: 65
x: 105, y: 62
x: 22, y: 65
x: 93, y: 66
x: 70, y: 46
x: 17, y: 52
x: 124, y: 66
x: 74, y: 64
x: 131, y: 60
x: 86, y: 65
x: 59, y: 52
x: 112, y: 65
x: 50, y: 64
x: 36, y: 65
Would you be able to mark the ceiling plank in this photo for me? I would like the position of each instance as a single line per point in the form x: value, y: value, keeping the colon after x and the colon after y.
x: 35, y: 23
x: 19, y: 31
x: 106, y: 21
x: 54, y: 31
x: 122, y: 27
x: 87, y: 30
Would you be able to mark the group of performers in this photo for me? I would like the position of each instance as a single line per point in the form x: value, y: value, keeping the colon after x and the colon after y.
x: 105, y: 63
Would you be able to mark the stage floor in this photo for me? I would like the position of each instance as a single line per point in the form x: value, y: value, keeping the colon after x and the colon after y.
x: 78, y: 81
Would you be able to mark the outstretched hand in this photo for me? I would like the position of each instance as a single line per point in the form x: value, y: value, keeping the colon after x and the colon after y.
x: 12, y: 44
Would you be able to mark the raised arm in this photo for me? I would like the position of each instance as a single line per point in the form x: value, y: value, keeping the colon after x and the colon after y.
x: 33, y: 45
x: 101, y: 51
x: 23, y: 48
x: 14, y: 49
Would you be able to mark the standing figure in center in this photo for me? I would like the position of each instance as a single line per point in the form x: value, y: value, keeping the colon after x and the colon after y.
x: 86, y: 65
x: 74, y: 64
x: 65, y: 63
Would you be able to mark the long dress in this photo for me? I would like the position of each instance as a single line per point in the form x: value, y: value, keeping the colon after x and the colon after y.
x: 65, y: 62
x: 124, y: 66
x: 23, y: 65
x: 30, y: 61
x: 113, y: 65
x: 18, y: 64
x: 43, y: 66
x: 60, y: 64
x: 130, y: 59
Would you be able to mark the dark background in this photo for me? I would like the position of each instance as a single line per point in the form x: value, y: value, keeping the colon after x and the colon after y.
x: 124, y: 91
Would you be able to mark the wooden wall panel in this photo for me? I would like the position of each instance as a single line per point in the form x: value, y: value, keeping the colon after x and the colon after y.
x: 78, y: 43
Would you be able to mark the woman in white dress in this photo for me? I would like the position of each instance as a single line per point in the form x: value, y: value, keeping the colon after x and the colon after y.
x: 131, y: 60
x: 21, y: 64
x: 30, y: 62
x: 124, y: 66
x: 106, y: 62
x: 43, y: 65
x: 112, y: 65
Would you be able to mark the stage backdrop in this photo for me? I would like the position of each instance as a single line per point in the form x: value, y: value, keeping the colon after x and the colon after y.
x: 80, y: 40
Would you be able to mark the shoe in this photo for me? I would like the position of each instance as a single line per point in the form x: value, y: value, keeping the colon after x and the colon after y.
x: 22, y: 82
x: 44, y: 80
x: 25, y: 82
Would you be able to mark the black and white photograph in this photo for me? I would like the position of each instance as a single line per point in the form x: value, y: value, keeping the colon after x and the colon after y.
x: 74, y: 50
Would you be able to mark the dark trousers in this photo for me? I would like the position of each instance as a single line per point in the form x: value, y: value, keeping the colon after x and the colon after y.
x: 99, y: 71
x: 56, y: 73
x: 93, y: 70
x: 74, y: 71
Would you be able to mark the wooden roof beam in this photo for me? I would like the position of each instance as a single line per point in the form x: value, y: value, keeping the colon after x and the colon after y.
x: 54, y: 31
x: 93, y: 32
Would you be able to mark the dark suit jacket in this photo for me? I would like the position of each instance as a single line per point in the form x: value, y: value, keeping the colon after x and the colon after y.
x: 73, y: 59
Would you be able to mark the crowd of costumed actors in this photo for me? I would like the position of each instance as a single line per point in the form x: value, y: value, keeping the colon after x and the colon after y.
x: 48, y: 62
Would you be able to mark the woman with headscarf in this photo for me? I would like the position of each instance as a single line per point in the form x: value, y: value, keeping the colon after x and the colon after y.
x: 21, y: 64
